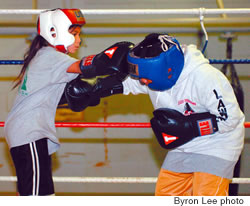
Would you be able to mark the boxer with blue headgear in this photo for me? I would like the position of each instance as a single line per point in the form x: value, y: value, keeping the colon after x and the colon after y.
x: 199, y: 121
x: 157, y: 61
x: 187, y: 119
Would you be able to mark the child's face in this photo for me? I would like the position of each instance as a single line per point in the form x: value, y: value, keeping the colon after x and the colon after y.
x: 133, y: 70
x: 75, y: 46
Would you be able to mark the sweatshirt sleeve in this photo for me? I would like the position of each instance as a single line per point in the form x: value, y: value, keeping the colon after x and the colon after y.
x: 133, y: 86
x: 219, y: 99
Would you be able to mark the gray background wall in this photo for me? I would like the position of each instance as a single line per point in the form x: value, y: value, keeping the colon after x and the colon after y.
x: 117, y: 152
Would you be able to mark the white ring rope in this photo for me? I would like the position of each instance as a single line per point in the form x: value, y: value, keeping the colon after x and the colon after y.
x: 137, y: 11
x: 112, y: 179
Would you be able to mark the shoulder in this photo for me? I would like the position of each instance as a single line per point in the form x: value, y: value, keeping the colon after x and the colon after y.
x: 49, y: 52
x: 199, y: 67
x: 210, y: 73
x: 133, y: 86
x: 49, y: 55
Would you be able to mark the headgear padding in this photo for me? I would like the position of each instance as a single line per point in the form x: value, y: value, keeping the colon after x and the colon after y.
x: 53, y: 25
x: 158, y: 58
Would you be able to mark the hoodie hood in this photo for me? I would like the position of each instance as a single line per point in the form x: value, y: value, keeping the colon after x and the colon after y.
x: 193, y: 58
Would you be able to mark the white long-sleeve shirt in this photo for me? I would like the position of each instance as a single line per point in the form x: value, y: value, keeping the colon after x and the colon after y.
x: 201, y: 88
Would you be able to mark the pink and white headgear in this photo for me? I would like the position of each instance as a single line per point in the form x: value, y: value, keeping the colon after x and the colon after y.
x: 53, y: 25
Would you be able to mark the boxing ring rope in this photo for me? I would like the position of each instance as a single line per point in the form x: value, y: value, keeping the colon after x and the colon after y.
x: 211, y: 61
x: 129, y: 180
x: 197, y: 11
x: 108, y: 124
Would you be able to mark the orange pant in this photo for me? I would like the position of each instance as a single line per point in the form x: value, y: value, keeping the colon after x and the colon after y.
x: 190, y: 184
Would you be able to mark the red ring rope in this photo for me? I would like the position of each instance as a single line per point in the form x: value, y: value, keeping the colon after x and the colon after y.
x: 108, y: 124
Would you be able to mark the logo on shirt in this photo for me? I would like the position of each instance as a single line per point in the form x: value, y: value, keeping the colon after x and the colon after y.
x: 23, y: 87
x: 186, y: 101
x: 188, y: 110
x: 221, y: 108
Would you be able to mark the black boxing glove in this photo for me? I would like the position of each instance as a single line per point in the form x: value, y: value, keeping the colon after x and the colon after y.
x: 173, y: 129
x: 112, y: 60
x: 78, y: 95
x: 108, y: 86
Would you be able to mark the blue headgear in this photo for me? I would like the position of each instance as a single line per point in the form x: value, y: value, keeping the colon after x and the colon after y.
x: 158, y: 58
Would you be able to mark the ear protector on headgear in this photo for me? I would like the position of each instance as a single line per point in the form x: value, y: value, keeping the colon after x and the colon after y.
x: 53, y: 25
x: 158, y: 58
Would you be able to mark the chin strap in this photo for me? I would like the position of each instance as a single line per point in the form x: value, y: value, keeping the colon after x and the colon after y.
x: 61, y: 48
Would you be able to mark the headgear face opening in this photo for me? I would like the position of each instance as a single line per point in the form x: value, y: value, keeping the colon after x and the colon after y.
x: 158, y: 58
x: 54, y: 26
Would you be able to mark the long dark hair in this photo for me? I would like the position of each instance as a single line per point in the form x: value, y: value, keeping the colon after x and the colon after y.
x: 36, y: 44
